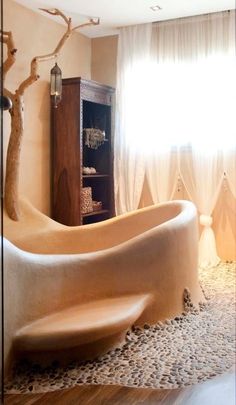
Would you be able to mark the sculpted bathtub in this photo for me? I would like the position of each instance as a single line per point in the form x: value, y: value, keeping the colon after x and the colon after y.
x: 72, y: 292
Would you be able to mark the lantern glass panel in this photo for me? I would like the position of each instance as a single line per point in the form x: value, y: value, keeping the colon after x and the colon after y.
x: 56, y: 81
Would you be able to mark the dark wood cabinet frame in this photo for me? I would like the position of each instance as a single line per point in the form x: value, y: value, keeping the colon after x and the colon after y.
x: 85, y: 103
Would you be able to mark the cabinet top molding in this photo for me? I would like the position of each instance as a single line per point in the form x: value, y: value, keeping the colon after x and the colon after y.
x: 89, y: 83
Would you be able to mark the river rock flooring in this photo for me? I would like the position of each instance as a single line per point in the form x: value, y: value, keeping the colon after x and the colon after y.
x: 189, y: 349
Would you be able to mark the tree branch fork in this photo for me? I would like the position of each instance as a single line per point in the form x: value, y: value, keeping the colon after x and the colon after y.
x: 17, y: 110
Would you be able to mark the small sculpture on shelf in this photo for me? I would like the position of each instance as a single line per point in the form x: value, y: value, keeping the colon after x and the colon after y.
x: 97, y: 205
x: 94, y: 137
x: 89, y: 170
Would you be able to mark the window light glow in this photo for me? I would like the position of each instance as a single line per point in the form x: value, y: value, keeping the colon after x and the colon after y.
x: 181, y: 104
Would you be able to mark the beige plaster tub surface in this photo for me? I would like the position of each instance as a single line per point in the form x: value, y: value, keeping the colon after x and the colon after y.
x: 37, y: 233
x: 81, y: 324
x: 50, y: 268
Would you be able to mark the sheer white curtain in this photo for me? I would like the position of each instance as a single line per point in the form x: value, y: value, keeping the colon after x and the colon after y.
x: 129, y: 164
x: 230, y: 167
x: 162, y: 174
x: 204, y: 52
x: 211, y: 111
x: 202, y: 173
x: 177, y: 94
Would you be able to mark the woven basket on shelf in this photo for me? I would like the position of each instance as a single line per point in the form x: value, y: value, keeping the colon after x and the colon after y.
x: 86, y: 200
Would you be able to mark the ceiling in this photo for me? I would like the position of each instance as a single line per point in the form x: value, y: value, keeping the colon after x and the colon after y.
x: 118, y: 13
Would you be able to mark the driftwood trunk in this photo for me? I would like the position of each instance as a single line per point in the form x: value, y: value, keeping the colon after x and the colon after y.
x: 13, y: 157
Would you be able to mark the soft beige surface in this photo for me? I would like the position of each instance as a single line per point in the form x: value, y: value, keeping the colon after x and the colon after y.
x: 81, y: 324
x: 35, y: 35
x: 50, y: 267
x: 38, y: 233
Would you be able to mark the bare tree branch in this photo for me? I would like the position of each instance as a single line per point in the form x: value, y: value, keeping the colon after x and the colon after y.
x: 91, y: 22
x: 34, y: 63
x: 55, y: 11
x: 17, y: 110
x: 7, y: 38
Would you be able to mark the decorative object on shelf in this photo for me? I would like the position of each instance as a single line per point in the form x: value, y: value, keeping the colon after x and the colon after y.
x: 86, y: 200
x: 94, y: 137
x: 89, y: 170
x: 97, y: 205
x: 56, y: 85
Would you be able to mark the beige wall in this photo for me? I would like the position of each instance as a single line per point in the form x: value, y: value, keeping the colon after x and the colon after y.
x: 104, y: 51
x: 37, y: 35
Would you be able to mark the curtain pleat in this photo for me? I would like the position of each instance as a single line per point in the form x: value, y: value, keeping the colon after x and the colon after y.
x: 129, y: 163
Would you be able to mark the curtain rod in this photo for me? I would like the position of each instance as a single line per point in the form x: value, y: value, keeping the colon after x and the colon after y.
x: 199, y: 16
x: 217, y: 13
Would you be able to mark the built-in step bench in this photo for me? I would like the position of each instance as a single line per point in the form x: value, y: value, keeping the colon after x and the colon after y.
x: 81, y: 325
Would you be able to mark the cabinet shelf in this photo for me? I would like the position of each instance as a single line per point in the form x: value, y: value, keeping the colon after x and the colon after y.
x: 104, y: 140
x: 95, y: 176
x: 90, y: 214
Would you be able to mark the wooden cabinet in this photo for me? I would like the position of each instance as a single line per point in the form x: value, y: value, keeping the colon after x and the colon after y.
x: 85, y: 104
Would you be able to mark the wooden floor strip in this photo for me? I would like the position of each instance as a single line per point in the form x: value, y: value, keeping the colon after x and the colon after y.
x: 218, y: 391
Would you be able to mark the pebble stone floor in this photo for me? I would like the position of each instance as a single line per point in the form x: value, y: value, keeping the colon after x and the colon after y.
x: 189, y: 349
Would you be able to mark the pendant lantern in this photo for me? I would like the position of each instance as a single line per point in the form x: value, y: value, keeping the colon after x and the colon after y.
x: 56, y: 85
